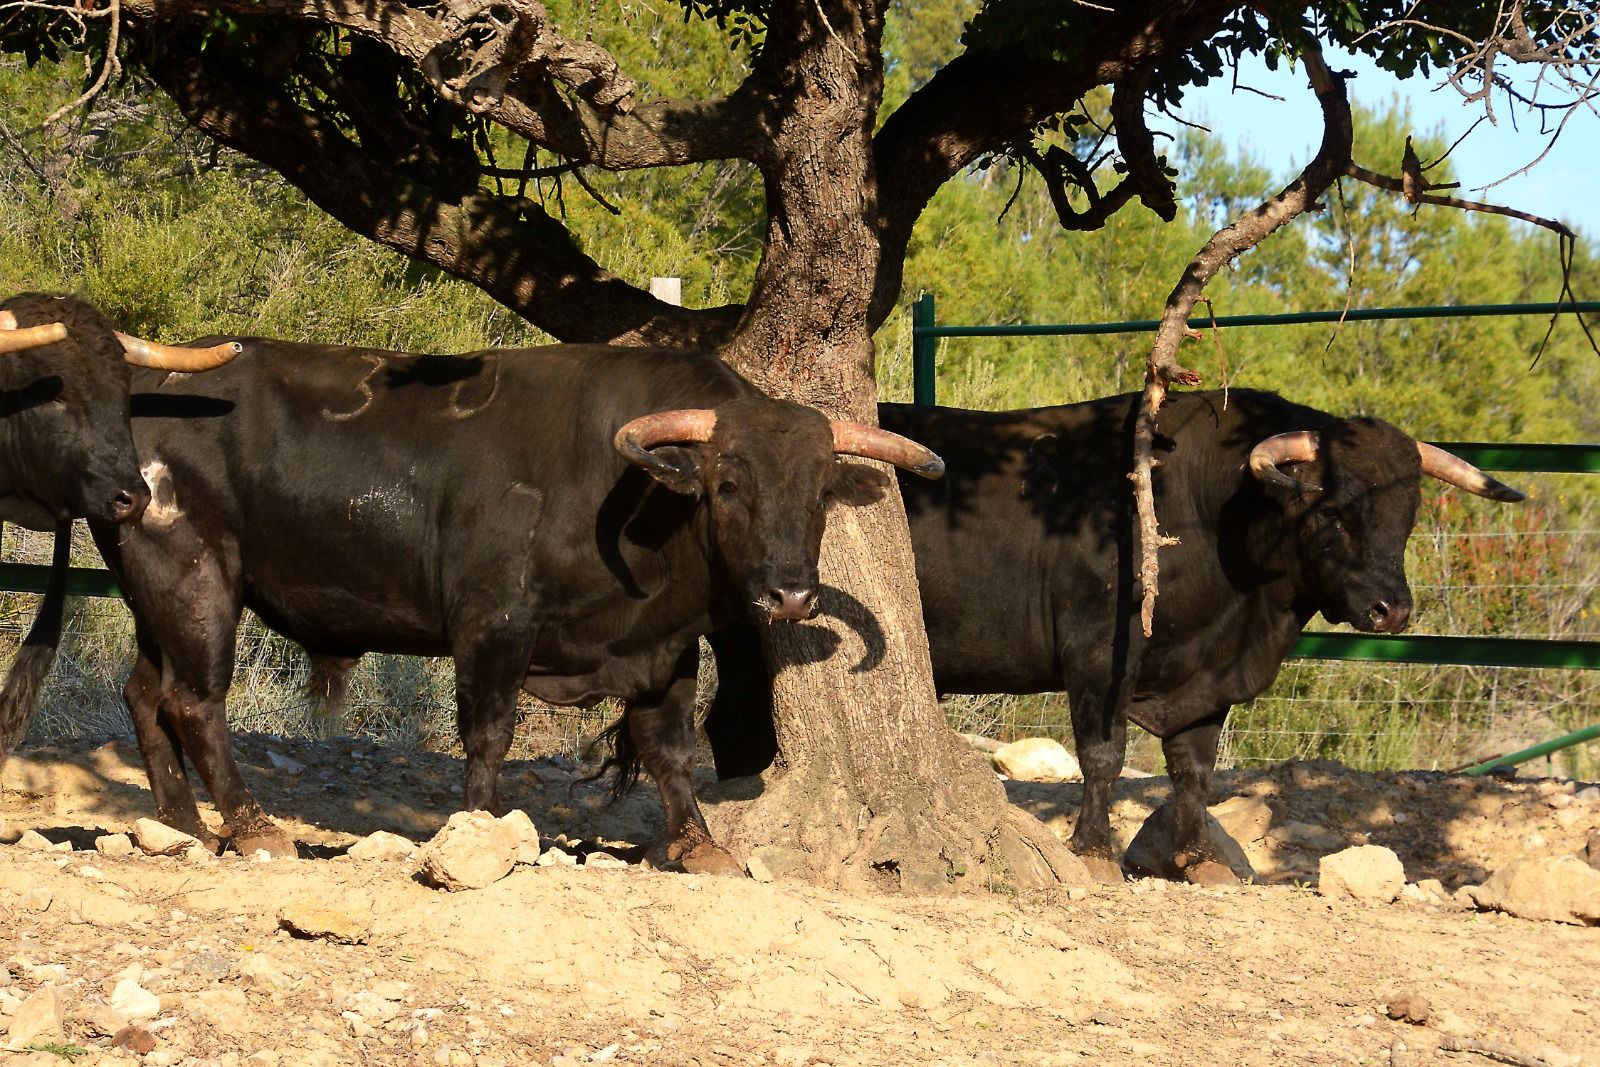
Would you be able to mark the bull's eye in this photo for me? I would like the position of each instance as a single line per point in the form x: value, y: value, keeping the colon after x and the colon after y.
x: 1328, y: 513
x: 728, y: 488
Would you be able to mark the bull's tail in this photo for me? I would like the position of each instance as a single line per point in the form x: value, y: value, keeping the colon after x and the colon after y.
x: 327, y: 687
x: 24, y: 681
x: 624, y: 758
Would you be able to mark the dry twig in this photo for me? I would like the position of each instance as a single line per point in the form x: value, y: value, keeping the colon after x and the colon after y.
x: 1227, y: 243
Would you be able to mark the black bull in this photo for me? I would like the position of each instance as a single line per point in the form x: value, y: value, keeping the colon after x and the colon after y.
x: 1023, y: 556
x: 66, y: 450
x: 566, y: 520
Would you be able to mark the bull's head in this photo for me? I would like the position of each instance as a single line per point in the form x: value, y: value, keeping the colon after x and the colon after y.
x: 66, y: 449
x: 768, y: 470
x: 1354, y: 496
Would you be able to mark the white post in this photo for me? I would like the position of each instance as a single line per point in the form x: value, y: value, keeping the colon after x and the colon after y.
x: 667, y: 289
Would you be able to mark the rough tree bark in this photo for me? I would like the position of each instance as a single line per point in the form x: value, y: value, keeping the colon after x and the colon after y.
x: 871, y: 785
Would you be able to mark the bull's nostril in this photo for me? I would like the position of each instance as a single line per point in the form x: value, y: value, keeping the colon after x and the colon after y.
x: 790, y: 603
x: 127, y: 505
x: 1389, y: 616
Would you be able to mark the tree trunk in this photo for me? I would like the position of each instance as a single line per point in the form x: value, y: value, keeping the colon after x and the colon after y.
x: 871, y: 785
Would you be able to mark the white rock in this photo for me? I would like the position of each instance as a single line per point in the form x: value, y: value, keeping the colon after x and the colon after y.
x: 263, y: 971
x: 382, y: 845
x: 38, y: 1020
x: 1367, y: 872
x: 1554, y: 888
x: 472, y: 851
x: 284, y: 763
x: 603, y: 859
x: 34, y: 841
x: 1245, y: 819
x: 527, y: 835
x: 757, y: 869
x: 159, y: 839
x: 1037, y: 759
x: 114, y: 845
x: 348, y: 922
x: 135, y: 1001
x: 556, y: 857
x: 372, y: 1008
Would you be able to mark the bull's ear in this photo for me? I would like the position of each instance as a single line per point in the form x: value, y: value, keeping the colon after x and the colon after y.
x: 856, y: 484
x: 677, y: 468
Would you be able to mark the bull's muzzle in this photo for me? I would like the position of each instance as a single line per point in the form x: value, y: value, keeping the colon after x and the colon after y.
x: 788, y: 603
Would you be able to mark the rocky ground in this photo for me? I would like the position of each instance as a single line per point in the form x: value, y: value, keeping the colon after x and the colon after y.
x: 196, y: 960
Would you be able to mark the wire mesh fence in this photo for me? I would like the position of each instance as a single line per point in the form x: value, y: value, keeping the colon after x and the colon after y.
x: 1477, y: 569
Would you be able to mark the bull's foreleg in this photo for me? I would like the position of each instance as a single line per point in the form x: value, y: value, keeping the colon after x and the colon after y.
x: 488, y: 677
x: 199, y: 716
x: 199, y: 624
x: 661, y: 730
x: 1191, y: 758
x: 739, y: 725
x: 162, y: 752
x: 1101, y: 736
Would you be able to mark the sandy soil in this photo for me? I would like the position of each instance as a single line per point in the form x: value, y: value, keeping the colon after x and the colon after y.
x: 576, y: 964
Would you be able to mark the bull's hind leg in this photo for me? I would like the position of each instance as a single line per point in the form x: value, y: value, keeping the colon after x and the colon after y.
x: 660, y: 729
x: 488, y: 676
x: 162, y: 749
x: 1191, y: 758
x: 1101, y: 737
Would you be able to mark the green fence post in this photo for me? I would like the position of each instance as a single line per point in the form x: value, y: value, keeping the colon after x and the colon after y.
x: 924, y: 346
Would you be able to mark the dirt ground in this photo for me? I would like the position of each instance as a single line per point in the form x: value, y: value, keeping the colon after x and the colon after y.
x: 569, y: 965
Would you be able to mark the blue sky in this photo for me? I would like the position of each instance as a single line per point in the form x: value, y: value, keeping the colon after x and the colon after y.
x: 1282, y: 136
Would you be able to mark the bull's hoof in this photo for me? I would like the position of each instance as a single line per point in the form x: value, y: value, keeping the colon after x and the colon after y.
x: 1103, y: 869
x: 709, y: 858
x: 1209, y: 872
x: 269, y: 839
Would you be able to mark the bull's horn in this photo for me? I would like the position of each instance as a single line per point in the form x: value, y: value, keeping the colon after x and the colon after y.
x: 142, y: 353
x: 1458, y: 472
x: 859, y: 439
x: 13, y: 339
x: 1297, y: 446
x: 682, y: 426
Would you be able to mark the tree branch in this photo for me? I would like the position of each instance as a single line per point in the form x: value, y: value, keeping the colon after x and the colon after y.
x: 1138, y: 147
x: 1241, y: 235
x: 568, y: 96
x: 508, y: 246
x: 1415, y: 192
x: 951, y: 120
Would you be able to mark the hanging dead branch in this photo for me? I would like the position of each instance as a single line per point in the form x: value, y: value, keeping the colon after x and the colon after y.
x: 1416, y: 190
x: 1239, y: 236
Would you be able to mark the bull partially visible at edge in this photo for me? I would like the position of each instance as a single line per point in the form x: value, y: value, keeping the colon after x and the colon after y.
x: 66, y: 450
x: 1025, y: 557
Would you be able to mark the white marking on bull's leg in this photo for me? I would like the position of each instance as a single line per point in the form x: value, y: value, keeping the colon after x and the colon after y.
x: 163, y: 510
x: 364, y: 387
x: 491, y: 368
